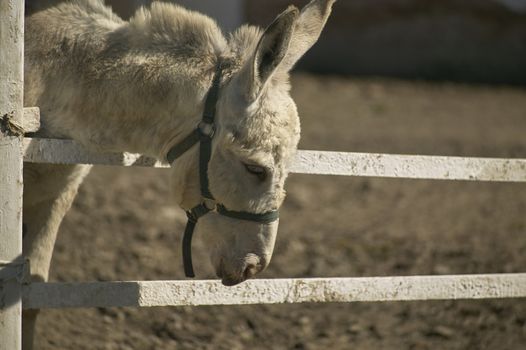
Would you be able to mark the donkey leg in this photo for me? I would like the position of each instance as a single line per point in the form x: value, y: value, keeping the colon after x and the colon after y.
x: 48, y: 195
x: 29, y: 319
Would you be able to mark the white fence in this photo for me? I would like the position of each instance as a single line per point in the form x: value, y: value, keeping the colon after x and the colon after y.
x: 14, y: 149
x: 311, y: 162
x: 274, y: 291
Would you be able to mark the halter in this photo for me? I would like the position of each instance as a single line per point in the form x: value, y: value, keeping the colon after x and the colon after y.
x: 203, y: 134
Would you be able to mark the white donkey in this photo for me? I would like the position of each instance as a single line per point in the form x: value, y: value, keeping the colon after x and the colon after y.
x: 141, y: 86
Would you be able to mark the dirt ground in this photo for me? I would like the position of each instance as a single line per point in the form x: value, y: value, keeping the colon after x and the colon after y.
x: 123, y: 227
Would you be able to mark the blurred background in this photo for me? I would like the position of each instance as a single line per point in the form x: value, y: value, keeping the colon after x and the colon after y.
x: 441, y: 77
x: 461, y: 40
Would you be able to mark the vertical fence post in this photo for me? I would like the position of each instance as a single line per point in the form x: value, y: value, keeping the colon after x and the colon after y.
x: 11, y: 163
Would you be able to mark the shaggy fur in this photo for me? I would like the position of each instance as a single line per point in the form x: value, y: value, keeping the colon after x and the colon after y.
x: 140, y: 86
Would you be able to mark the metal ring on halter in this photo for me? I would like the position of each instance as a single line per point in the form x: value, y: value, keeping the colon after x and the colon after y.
x: 207, y: 129
x: 210, y: 204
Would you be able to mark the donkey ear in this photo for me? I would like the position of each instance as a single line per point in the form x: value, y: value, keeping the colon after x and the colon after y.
x: 307, y: 30
x: 271, y: 50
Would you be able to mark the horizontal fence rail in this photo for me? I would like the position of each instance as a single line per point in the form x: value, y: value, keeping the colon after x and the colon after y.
x: 367, y: 289
x: 273, y: 291
x: 311, y: 162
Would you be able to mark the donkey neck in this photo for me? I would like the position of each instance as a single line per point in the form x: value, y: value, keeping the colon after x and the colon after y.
x: 155, y: 109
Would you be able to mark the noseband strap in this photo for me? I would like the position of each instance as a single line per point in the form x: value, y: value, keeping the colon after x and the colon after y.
x: 203, y: 134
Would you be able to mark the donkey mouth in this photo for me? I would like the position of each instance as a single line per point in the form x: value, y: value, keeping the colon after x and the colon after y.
x: 229, y: 281
x: 250, y: 267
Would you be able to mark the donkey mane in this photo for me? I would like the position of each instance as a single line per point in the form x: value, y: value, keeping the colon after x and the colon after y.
x: 170, y: 27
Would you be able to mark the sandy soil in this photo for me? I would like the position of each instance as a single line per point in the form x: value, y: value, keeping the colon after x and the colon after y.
x: 122, y: 226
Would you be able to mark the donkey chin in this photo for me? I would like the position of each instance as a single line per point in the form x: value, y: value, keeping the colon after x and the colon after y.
x: 238, y: 249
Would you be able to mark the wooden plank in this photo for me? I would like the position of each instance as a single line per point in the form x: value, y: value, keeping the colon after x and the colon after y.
x: 312, y: 162
x: 273, y: 291
x: 55, y: 151
x: 410, y: 166
x: 11, y: 161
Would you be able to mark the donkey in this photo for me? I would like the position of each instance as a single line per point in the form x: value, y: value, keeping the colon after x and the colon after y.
x: 140, y: 86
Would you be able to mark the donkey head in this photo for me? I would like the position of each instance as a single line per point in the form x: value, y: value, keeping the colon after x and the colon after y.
x: 258, y: 130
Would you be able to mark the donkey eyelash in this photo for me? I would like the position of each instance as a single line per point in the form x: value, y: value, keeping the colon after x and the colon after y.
x: 256, y: 170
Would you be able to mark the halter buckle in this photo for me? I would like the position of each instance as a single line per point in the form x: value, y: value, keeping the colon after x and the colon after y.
x: 207, y: 129
x: 210, y: 203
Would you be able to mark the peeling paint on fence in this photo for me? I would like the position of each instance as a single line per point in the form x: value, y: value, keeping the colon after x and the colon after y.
x: 311, y: 162
x: 274, y: 291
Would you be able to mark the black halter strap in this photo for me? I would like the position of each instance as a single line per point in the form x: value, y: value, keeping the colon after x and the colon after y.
x: 203, y: 135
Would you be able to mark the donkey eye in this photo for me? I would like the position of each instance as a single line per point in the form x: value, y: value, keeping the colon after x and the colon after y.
x: 256, y: 170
